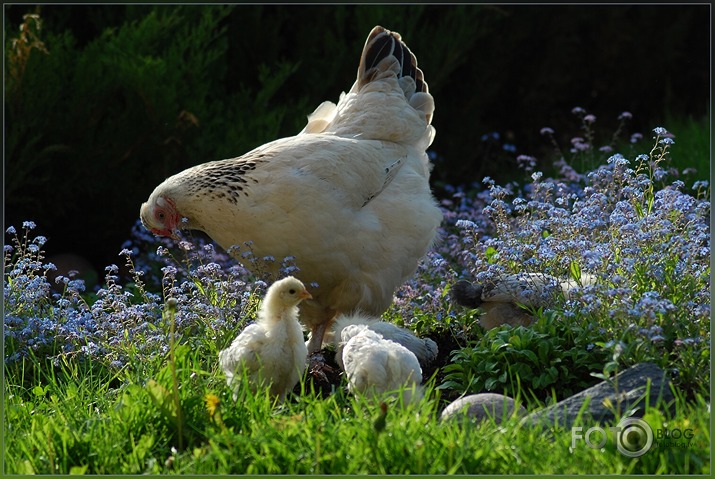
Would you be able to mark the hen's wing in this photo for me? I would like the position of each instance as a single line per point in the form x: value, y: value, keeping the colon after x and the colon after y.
x: 319, y: 120
x: 425, y: 350
x: 404, y: 364
x: 350, y: 172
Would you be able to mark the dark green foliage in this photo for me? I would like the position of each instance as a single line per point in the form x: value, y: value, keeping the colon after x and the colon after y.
x: 550, y: 359
x: 693, y: 137
x: 92, y: 130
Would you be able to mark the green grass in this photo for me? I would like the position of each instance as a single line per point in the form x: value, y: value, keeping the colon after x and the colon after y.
x: 70, y: 420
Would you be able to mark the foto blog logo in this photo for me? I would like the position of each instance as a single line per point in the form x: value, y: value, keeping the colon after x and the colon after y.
x: 633, y: 437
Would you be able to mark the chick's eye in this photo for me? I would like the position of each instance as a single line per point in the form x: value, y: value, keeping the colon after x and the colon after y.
x: 292, y: 291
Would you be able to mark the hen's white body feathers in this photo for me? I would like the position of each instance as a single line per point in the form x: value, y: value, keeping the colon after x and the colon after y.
x: 272, y: 351
x: 375, y: 365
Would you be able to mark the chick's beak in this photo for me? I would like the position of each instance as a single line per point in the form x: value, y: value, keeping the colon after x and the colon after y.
x: 305, y: 294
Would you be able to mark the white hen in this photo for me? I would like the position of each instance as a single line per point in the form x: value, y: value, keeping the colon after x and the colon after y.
x: 424, y: 349
x: 271, y: 351
x: 375, y: 365
x: 348, y: 197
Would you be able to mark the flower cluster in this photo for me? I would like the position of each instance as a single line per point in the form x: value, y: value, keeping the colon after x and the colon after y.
x: 632, y: 225
x: 119, y: 324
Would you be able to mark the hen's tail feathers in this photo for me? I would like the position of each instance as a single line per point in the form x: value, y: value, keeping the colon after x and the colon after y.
x: 381, y: 49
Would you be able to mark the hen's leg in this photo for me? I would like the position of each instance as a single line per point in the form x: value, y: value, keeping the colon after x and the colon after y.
x: 315, y: 343
x: 318, y: 369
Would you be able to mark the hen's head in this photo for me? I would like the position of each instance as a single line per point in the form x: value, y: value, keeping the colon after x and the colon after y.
x: 160, y: 216
x: 286, y: 293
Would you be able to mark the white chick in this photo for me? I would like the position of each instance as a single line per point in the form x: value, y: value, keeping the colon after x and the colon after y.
x: 424, y: 349
x: 272, y: 350
x: 375, y: 365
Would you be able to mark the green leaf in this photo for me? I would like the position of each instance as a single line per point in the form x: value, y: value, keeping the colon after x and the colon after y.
x: 448, y: 385
x: 163, y: 400
x: 490, y: 254
x: 575, y: 270
x: 530, y: 354
x: 79, y: 470
x: 610, y: 367
x: 38, y: 391
x: 491, y: 367
x: 25, y: 467
x: 544, y: 348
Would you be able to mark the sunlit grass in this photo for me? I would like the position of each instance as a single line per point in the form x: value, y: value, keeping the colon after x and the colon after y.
x: 70, y: 422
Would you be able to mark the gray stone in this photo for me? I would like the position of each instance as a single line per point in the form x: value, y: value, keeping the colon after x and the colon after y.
x: 598, y: 402
x: 481, y: 406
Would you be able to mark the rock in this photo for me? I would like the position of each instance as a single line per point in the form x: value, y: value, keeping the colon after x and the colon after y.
x: 480, y: 407
x: 631, y: 392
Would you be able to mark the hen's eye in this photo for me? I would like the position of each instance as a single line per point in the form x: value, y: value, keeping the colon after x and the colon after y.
x: 160, y: 215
